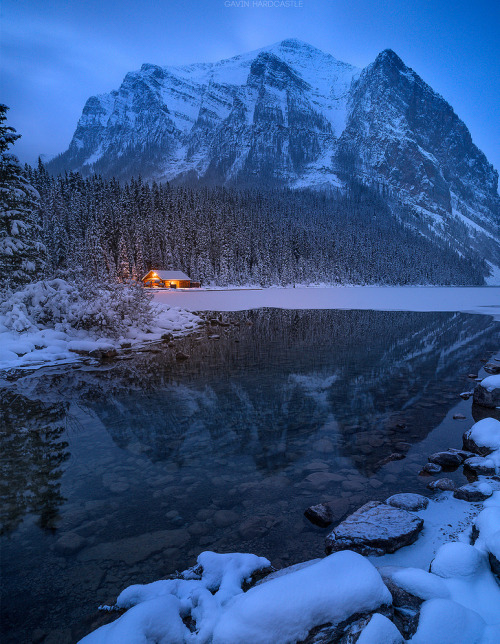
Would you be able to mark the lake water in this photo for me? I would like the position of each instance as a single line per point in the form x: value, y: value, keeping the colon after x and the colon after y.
x: 123, y: 472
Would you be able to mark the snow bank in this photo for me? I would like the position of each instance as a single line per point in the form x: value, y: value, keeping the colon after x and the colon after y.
x: 49, y: 322
x: 281, y: 610
x: 443, y: 621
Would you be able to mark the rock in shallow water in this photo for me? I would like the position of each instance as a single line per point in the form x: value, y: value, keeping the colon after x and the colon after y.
x: 473, y: 492
x: 447, y: 460
x: 480, y: 465
x: 487, y: 392
x: 411, y: 502
x: 432, y: 468
x: 442, y: 484
x: 375, y: 529
x: 320, y: 515
x: 483, y: 437
x: 69, y: 543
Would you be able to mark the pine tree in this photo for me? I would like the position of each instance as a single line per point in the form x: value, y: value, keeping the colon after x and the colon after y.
x: 22, y: 255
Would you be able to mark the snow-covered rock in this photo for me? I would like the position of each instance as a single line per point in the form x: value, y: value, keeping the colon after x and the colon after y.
x: 486, y: 535
x: 487, y: 392
x: 442, y: 485
x: 481, y: 465
x: 483, y: 438
x: 409, y: 588
x: 407, y: 501
x: 375, y: 529
x: 283, y: 610
x: 443, y: 621
x: 474, y: 492
x: 287, y: 608
x: 380, y: 630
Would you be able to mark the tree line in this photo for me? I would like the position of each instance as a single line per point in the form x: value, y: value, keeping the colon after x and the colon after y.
x: 110, y: 230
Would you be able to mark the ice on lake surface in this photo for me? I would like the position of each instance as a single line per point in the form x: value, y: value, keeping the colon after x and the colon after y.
x: 125, y: 472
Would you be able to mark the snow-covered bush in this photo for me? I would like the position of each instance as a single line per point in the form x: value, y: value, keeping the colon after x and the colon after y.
x: 96, y: 307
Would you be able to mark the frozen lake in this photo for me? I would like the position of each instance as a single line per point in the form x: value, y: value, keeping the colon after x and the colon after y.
x: 378, y: 298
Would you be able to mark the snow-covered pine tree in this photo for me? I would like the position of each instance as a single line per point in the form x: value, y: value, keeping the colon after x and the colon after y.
x: 22, y: 255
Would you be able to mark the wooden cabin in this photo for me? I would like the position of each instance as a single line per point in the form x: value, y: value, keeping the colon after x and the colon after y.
x: 167, y: 279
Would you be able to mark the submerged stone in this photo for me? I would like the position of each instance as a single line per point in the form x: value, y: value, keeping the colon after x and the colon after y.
x: 432, y: 468
x: 442, y: 484
x: 321, y: 515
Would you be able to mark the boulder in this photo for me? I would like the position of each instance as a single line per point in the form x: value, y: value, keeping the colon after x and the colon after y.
x: 321, y: 515
x: 181, y: 356
x: 483, y: 437
x: 375, y: 529
x: 447, y: 460
x: 442, y: 484
x: 492, y: 367
x: 487, y: 392
x: 473, y: 492
x: 406, y: 605
x: 463, y: 453
x: 380, y: 630
x: 480, y: 465
x: 410, y: 502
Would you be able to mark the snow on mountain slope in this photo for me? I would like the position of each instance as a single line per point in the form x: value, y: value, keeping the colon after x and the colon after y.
x: 292, y: 115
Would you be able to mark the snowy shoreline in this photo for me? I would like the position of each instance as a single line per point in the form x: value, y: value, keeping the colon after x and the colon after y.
x: 175, y: 314
x: 49, y: 323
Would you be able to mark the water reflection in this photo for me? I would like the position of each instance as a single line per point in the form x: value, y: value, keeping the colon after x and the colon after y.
x: 376, y: 377
x: 221, y: 451
x: 31, y: 455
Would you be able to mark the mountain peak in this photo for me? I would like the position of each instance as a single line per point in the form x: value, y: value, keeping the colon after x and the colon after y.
x: 389, y: 57
x: 295, y: 43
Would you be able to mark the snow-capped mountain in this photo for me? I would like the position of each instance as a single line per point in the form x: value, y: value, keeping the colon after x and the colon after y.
x: 292, y: 115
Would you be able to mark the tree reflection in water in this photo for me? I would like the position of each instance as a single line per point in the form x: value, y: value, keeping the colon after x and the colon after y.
x: 31, y: 455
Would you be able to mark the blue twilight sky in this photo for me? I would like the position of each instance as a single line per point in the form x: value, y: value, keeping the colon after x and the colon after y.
x: 57, y: 53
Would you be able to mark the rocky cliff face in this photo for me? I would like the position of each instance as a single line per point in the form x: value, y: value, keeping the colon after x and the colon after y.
x: 399, y: 131
x: 291, y: 115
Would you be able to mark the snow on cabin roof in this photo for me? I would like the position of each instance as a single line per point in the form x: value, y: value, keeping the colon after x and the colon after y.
x: 169, y: 275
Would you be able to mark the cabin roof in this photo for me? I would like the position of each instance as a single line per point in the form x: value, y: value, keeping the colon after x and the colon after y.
x: 169, y: 275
